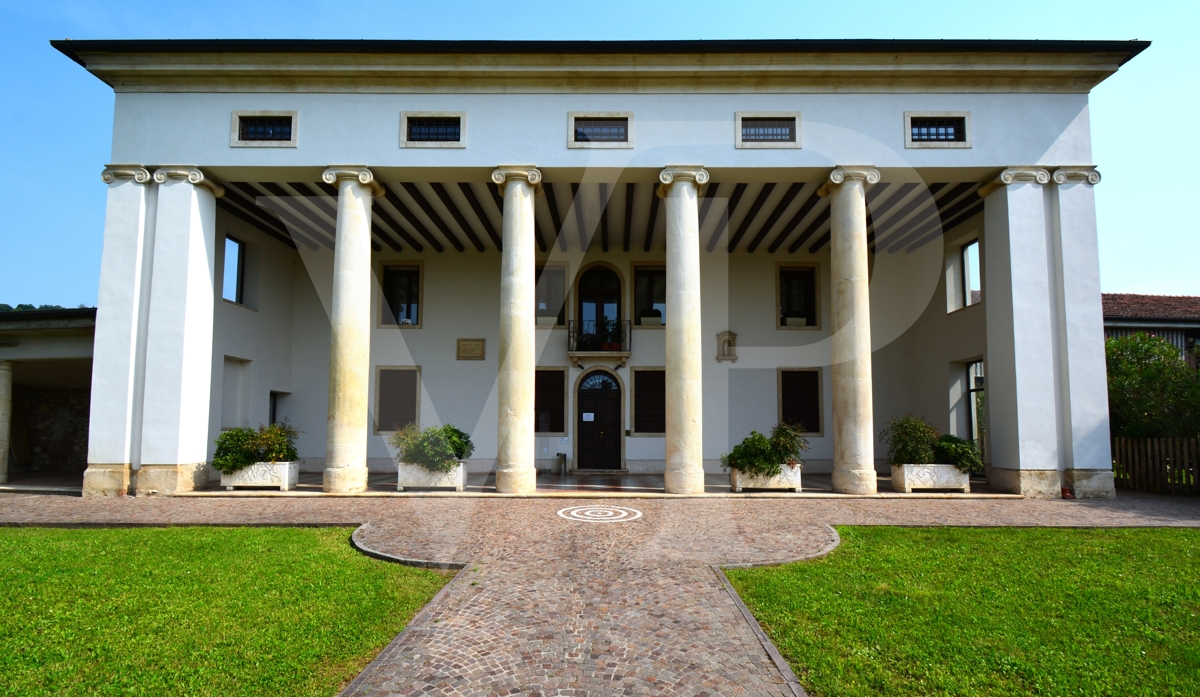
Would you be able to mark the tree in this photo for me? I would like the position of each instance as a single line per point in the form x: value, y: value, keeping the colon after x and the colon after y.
x: 1152, y: 392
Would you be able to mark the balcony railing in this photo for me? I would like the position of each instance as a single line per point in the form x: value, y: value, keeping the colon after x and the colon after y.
x: 598, y: 335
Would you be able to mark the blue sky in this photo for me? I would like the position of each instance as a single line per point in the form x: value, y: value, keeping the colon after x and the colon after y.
x: 57, y: 119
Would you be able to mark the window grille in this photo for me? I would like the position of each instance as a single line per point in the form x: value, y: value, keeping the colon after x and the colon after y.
x: 927, y: 129
x: 601, y: 130
x: 398, y: 392
x: 434, y: 129
x: 768, y: 130
x: 264, y: 128
x: 650, y: 401
x: 800, y: 399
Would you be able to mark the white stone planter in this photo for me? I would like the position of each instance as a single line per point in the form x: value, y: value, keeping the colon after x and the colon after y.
x: 908, y: 477
x: 414, y: 475
x: 285, y: 475
x: 789, y: 478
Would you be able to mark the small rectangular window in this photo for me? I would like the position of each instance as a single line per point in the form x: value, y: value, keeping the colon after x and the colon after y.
x: 235, y: 265
x: 800, y: 399
x: 797, y: 297
x: 601, y: 130
x: 398, y: 395
x: 766, y: 130
x: 434, y: 129
x: 401, y: 295
x: 929, y: 129
x: 264, y: 128
x: 549, y: 401
x: 649, y: 297
x: 972, y: 289
x: 650, y: 401
x: 551, y: 296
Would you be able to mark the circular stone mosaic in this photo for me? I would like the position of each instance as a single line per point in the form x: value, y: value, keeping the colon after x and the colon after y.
x: 600, y: 514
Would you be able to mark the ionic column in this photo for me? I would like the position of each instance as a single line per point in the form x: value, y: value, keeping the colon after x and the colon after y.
x: 684, y: 375
x: 853, y: 416
x: 350, y: 325
x: 6, y: 390
x: 515, y: 473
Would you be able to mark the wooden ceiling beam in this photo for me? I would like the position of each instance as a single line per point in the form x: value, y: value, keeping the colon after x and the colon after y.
x: 734, y: 199
x: 788, y: 197
x: 457, y: 215
x: 412, y: 219
x: 433, y: 216
x: 473, y: 201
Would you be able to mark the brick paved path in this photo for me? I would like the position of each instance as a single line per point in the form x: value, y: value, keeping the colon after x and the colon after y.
x: 550, y: 606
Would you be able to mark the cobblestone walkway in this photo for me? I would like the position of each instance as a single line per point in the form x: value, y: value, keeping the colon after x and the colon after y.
x: 551, y: 604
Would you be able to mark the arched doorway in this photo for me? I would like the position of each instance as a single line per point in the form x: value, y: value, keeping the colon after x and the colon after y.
x: 599, y: 292
x: 598, y: 426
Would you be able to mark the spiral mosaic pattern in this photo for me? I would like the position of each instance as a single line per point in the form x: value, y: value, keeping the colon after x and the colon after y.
x: 600, y: 514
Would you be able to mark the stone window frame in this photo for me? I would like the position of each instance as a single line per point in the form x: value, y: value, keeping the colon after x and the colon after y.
x: 235, y: 142
x: 779, y: 371
x: 420, y: 266
x: 462, y: 129
x: 572, y: 115
x: 816, y: 267
x: 910, y: 144
x: 566, y: 373
x: 633, y: 432
x: 758, y: 145
x: 378, y: 393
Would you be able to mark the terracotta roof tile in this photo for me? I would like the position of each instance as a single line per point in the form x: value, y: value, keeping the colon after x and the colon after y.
x: 1133, y: 306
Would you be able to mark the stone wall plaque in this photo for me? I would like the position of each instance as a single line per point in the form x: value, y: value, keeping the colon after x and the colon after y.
x: 471, y: 349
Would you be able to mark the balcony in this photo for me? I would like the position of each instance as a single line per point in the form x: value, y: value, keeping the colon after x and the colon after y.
x: 598, y: 339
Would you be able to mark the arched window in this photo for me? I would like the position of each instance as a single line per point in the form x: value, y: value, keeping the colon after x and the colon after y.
x: 599, y: 381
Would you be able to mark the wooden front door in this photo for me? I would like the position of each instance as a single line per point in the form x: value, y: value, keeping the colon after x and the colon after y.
x: 598, y: 428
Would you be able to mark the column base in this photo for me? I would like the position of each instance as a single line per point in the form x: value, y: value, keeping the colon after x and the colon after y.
x: 1090, y: 484
x: 855, y: 481
x: 167, y: 480
x: 689, y: 481
x: 106, y: 480
x: 1034, y: 484
x: 516, y: 481
x: 345, y: 480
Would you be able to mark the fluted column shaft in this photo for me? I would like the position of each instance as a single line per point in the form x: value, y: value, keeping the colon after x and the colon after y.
x: 515, y: 473
x: 6, y: 390
x: 350, y: 324
x: 853, y: 418
x: 684, y: 373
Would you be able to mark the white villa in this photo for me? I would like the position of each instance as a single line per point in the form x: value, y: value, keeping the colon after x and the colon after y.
x: 628, y: 253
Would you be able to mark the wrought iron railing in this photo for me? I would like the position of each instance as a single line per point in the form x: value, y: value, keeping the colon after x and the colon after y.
x: 598, y: 335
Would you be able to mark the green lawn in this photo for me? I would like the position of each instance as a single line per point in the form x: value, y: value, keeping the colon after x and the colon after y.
x: 195, y: 611
x: 953, y: 611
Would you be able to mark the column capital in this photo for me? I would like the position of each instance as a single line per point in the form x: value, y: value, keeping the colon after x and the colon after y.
x: 530, y: 173
x: 135, y: 173
x: 1076, y: 173
x: 681, y: 173
x: 189, y: 172
x: 1015, y: 175
x: 843, y: 173
x: 366, y: 177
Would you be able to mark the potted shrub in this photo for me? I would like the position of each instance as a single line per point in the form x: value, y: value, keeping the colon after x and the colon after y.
x: 759, y: 462
x: 266, y: 457
x: 434, y: 457
x: 923, y: 459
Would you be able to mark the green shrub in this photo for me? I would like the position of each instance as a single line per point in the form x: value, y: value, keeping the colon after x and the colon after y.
x: 760, y: 456
x: 952, y: 450
x: 910, y: 440
x: 239, y: 448
x: 1152, y: 392
x: 437, y: 448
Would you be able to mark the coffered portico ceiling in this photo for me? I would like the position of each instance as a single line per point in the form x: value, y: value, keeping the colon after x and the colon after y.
x: 617, y: 66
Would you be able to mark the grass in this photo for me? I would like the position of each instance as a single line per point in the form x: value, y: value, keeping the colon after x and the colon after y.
x: 195, y: 611
x: 953, y: 611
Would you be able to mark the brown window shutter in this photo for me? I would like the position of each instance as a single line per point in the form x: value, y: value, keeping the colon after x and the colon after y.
x: 548, y: 401
x: 650, y: 401
x: 801, y: 399
x: 397, y: 399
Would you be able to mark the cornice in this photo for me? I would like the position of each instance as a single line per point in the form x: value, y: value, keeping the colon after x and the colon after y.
x: 364, y: 176
x: 1017, y: 174
x: 867, y: 174
x: 681, y: 173
x: 1076, y: 173
x: 528, y: 173
x: 188, y: 172
x: 134, y: 173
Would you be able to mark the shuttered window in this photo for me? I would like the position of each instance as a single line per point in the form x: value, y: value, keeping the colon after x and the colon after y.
x: 800, y: 399
x: 650, y: 401
x: 548, y: 401
x: 398, y: 395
